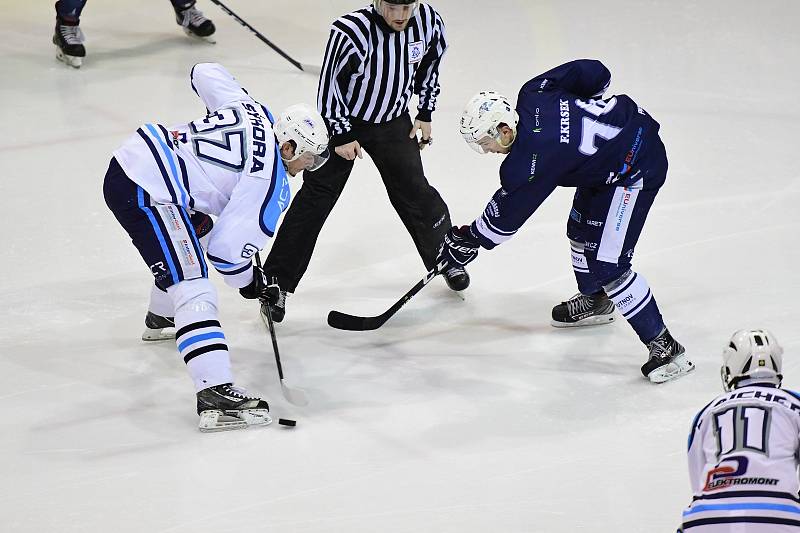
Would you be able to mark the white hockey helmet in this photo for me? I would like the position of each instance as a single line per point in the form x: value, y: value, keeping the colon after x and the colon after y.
x: 379, y: 4
x: 483, y: 114
x: 303, y: 125
x: 752, y: 354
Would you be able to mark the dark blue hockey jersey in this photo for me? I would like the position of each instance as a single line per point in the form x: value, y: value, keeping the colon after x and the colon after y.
x: 567, y: 136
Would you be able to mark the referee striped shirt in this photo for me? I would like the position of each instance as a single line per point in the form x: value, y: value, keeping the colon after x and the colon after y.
x: 370, y: 71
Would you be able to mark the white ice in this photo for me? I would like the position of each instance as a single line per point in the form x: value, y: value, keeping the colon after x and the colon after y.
x: 456, y: 416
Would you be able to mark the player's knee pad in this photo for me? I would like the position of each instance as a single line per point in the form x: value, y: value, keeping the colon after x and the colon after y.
x: 196, y: 296
x: 629, y: 292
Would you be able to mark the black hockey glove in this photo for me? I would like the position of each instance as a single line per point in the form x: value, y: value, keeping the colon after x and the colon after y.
x: 202, y: 224
x: 258, y: 288
x: 459, y: 247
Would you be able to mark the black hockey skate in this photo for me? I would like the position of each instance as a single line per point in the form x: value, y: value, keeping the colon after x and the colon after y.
x: 456, y: 278
x: 583, y: 310
x: 667, y: 359
x: 69, y: 39
x: 223, y: 407
x: 155, y: 325
x: 193, y: 22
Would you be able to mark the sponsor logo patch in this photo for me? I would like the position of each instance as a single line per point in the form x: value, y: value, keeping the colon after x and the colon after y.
x: 731, y: 472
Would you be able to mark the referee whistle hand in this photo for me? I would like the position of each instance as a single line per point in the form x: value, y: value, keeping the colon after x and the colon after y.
x: 349, y: 151
x: 425, y: 127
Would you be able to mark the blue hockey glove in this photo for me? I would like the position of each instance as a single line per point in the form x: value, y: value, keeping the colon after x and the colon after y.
x: 459, y: 247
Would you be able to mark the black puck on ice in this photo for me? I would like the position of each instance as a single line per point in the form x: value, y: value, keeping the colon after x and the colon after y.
x: 287, y: 422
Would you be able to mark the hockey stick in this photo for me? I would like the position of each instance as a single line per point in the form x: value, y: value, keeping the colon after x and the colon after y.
x: 293, y: 395
x: 311, y: 69
x: 347, y: 322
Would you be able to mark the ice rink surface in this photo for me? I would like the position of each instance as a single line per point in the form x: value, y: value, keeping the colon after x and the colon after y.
x: 456, y: 416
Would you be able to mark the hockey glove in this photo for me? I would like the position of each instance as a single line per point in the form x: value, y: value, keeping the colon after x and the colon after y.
x: 202, y: 224
x: 258, y: 288
x: 459, y: 247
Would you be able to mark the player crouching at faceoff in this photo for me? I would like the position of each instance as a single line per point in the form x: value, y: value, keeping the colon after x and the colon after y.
x: 563, y: 134
x: 744, y: 445
x: 162, y: 185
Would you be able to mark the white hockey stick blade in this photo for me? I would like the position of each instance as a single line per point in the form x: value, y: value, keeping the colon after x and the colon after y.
x: 294, y: 396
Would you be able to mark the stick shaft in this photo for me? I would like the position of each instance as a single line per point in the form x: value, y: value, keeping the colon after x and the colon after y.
x: 271, y: 326
x: 258, y: 34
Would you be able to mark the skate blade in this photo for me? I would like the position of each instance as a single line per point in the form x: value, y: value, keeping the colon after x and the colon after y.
x: 672, y: 370
x: 151, y: 335
x: 591, y: 321
x: 215, y: 421
x: 209, y: 39
x: 72, y: 61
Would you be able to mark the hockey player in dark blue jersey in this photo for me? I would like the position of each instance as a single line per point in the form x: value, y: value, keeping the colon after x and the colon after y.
x: 563, y: 133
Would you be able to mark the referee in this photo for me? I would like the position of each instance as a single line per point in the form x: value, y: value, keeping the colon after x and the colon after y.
x: 375, y: 59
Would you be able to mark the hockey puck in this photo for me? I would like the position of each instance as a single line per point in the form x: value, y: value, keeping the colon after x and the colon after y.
x: 287, y: 422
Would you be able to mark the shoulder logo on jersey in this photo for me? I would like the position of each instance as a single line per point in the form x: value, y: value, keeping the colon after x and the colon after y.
x: 415, y: 52
x: 249, y: 250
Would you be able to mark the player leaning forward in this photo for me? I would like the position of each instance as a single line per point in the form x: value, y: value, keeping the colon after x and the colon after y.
x: 563, y: 134
x: 744, y: 445
x: 162, y: 184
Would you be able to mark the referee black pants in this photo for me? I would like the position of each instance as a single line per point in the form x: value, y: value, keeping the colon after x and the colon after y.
x: 397, y: 157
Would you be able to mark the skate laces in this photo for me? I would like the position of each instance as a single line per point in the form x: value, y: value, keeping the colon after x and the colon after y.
x: 580, y: 303
x: 235, y: 392
x: 192, y: 17
x: 71, y: 34
x: 661, y: 347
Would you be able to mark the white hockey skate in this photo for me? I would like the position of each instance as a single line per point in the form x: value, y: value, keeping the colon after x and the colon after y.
x: 225, y: 407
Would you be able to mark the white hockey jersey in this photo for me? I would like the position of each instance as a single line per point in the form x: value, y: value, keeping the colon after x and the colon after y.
x: 226, y: 164
x: 743, y: 462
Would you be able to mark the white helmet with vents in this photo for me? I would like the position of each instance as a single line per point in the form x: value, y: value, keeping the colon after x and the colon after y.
x: 752, y: 354
x: 483, y: 114
x: 303, y: 126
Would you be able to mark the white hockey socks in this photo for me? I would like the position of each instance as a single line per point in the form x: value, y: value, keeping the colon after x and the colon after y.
x: 199, y: 336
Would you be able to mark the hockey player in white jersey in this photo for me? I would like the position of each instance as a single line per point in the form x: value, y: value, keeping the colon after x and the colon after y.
x: 165, y: 183
x: 744, y: 445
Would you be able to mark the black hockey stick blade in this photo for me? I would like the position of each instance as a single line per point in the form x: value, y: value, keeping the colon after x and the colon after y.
x: 339, y: 320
